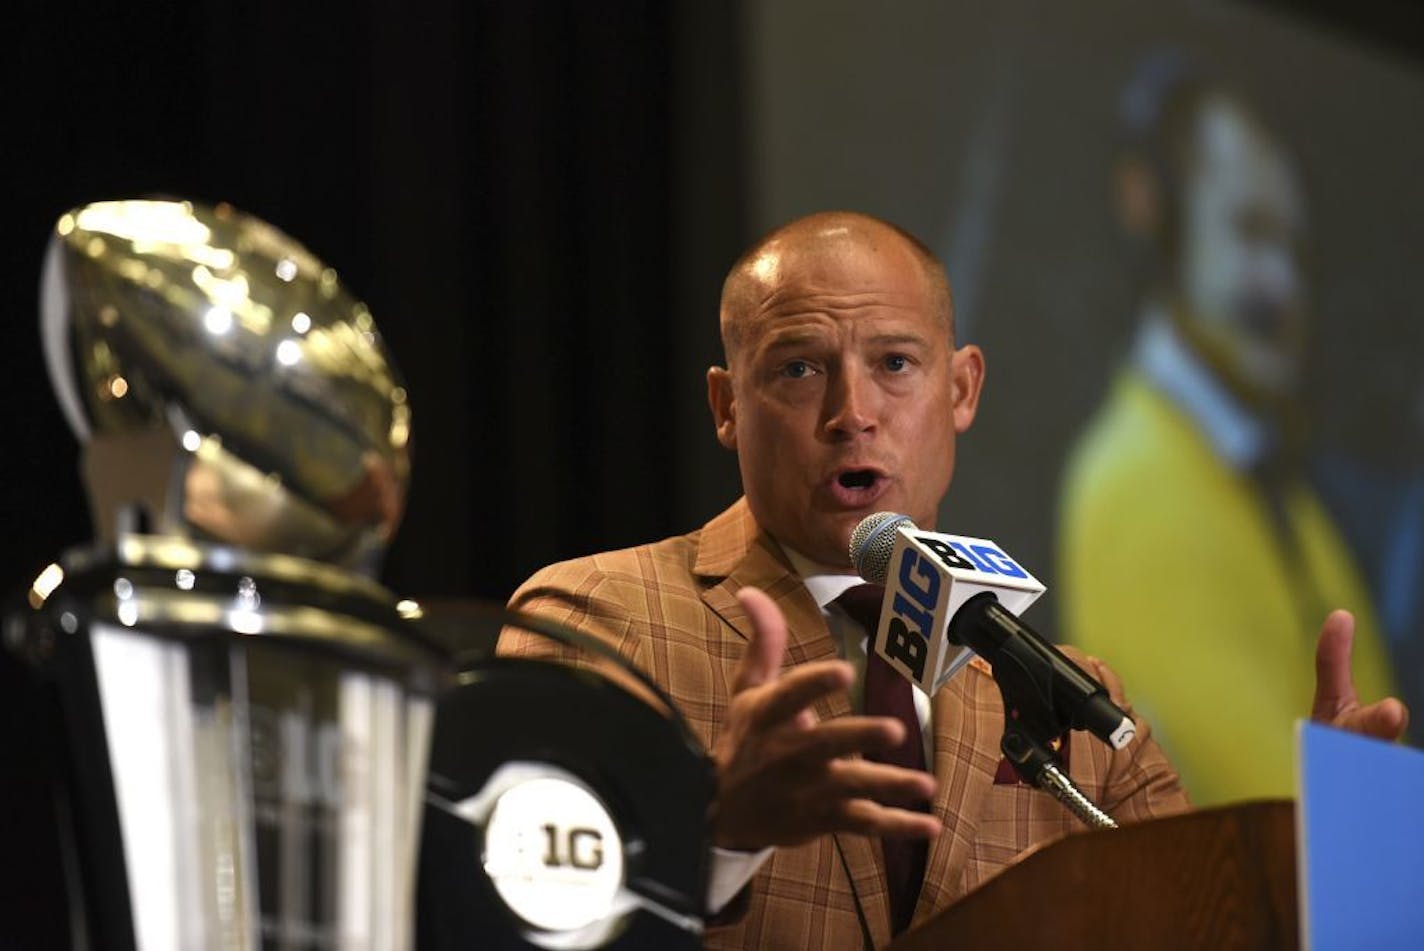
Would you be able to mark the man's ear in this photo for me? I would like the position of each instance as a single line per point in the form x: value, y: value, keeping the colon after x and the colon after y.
x: 723, y: 406
x: 967, y: 378
x: 1137, y: 197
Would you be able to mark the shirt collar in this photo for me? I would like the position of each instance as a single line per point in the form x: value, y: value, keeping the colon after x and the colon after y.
x: 1239, y: 436
x: 825, y: 584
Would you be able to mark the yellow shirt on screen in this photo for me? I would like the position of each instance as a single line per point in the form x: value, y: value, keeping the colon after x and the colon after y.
x: 1170, y: 569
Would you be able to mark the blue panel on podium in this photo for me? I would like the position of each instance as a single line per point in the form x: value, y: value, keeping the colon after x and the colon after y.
x: 1361, y: 842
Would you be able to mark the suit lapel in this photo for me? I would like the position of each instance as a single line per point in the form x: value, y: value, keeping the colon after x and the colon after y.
x: 965, y: 756
x: 733, y: 554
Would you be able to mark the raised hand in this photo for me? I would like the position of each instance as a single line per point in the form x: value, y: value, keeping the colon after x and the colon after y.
x: 783, y: 776
x: 1335, y: 701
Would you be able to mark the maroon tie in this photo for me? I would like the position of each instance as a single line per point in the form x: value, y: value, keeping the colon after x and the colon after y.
x: 887, y: 694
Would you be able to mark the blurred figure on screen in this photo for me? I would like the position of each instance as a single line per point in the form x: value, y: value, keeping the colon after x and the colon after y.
x: 1191, y: 549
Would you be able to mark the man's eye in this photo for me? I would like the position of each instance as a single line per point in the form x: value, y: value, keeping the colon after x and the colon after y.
x: 796, y: 369
x: 897, y: 362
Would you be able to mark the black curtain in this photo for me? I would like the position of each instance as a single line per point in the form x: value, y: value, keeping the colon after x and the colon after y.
x: 536, y: 199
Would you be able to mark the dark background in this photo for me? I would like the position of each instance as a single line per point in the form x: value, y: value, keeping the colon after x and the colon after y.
x: 537, y: 200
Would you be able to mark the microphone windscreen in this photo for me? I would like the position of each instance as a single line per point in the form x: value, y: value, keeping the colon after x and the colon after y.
x: 873, y: 543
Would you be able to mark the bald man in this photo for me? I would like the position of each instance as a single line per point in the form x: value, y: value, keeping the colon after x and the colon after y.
x: 843, y: 395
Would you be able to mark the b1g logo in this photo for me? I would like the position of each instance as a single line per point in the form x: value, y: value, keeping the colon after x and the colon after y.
x: 577, y: 848
x: 979, y: 556
x: 907, y: 638
x: 553, y: 853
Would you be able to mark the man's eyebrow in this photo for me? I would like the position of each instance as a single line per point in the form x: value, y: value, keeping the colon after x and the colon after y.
x: 791, y: 339
x: 794, y: 338
x: 891, y: 339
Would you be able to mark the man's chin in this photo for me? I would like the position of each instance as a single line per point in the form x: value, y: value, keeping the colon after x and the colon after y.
x: 833, y: 548
x: 824, y: 540
x: 827, y: 550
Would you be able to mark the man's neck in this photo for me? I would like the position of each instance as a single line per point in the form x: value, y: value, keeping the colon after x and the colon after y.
x: 1239, y: 435
x: 825, y: 582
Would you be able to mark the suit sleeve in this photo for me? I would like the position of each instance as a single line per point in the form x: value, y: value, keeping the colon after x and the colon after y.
x: 1140, y: 783
x: 578, y: 595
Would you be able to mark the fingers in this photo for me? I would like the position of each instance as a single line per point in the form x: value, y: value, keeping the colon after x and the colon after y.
x: 862, y: 779
x: 870, y: 818
x: 1110, y: 680
x: 788, y: 701
x: 1336, y: 702
x: 766, y: 648
x: 1334, y: 687
x: 1385, y: 720
x: 785, y: 778
x: 803, y: 818
x: 849, y: 736
x: 798, y: 690
x: 831, y: 758
x: 790, y: 805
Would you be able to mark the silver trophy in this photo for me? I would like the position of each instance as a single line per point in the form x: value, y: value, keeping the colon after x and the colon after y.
x: 244, y: 714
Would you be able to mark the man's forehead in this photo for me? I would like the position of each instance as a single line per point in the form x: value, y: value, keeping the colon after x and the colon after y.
x: 1238, y: 160
x: 816, y: 330
x: 830, y: 261
x: 765, y: 268
x: 812, y: 315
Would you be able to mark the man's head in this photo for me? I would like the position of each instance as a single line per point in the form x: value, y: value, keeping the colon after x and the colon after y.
x: 843, y: 391
x: 1216, y: 197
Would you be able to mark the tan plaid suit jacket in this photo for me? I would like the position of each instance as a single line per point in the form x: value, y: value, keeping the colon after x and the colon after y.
x: 671, y: 608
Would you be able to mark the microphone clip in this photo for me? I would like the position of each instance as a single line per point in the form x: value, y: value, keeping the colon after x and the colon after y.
x: 1039, y: 766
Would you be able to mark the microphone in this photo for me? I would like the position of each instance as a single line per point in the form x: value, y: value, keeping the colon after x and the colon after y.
x: 948, y: 595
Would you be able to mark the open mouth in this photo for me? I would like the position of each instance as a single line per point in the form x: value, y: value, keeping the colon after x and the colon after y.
x: 857, y: 488
x: 857, y: 479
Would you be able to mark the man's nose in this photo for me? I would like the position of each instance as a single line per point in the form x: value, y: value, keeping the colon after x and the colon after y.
x: 851, y: 403
x: 1278, y: 274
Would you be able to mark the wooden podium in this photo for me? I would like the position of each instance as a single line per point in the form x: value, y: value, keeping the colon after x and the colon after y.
x: 1220, y: 878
